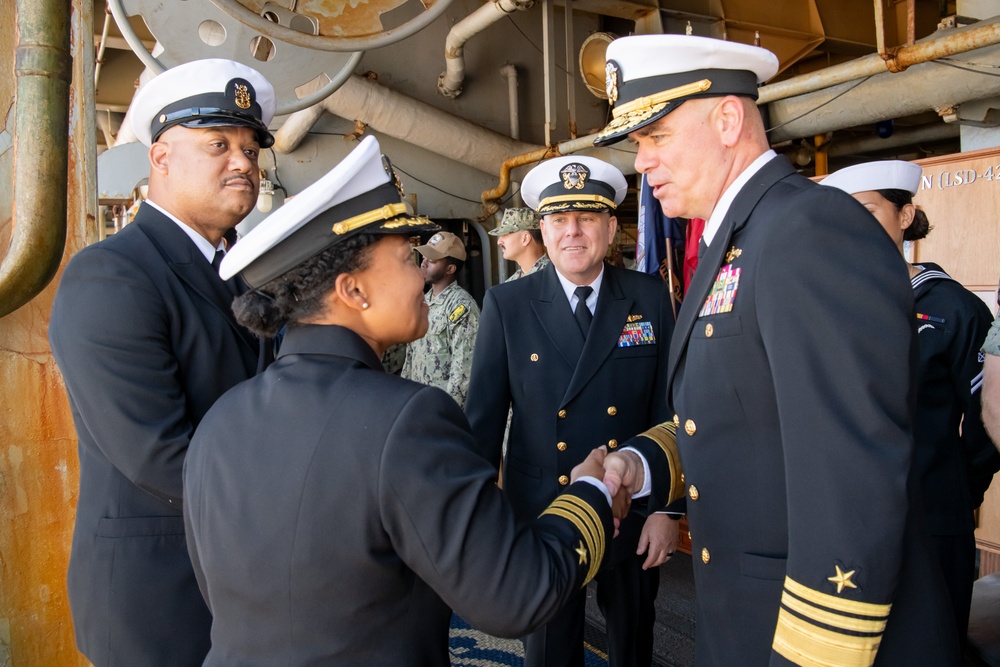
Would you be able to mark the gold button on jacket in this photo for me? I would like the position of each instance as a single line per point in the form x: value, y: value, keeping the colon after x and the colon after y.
x: 677, y: 420
x: 689, y: 427
x: 561, y: 446
x: 561, y: 414
x: 612, y: 411
x: 705, y: 556
x: 563, y: 480
x: 693, y: 492
x: 709, y: 330
x: 612, y: 443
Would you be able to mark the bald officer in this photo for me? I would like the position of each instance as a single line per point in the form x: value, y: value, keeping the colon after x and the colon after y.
x: 791, y: 375
x: 578, y: 352
x: 144, y: 336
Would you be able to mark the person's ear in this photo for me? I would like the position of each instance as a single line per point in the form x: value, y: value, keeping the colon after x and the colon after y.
x: 451, y: 269
x: 728, y: 116
x: 159, y: 157
x: 350, y: 291
x: 907, y: 214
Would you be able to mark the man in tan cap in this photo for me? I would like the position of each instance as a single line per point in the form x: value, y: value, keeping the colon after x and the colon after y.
x: 520, y: 240
x: 443, y: 357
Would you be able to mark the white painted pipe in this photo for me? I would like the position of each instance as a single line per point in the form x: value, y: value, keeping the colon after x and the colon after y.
x: 509, y: 72
x: 450, y: 81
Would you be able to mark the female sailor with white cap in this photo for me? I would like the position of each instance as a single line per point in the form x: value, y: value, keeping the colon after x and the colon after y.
x: 955, y: 457
x: 790, y: 372
x: 337, y: 514
x: 146, y: 341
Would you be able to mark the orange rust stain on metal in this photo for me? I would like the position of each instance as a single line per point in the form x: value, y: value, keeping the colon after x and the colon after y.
x: 349, y: 18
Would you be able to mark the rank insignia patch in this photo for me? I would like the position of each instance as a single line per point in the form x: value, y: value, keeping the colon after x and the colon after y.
x: 842, y: 579
x: 723, y: 294
x: 456, y: 315
x: 637, y: 333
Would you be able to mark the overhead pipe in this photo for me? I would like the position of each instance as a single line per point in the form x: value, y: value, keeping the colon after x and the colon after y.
x: 924, y: 87
x: 509, y: 72
x: 103, y: 45
x: 43, y: 72
x: 900, y: 138
x: 949, y: 43
x: 450, y: 81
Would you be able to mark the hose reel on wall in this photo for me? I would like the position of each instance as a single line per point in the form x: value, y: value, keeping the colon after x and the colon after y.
x: 306, y: 53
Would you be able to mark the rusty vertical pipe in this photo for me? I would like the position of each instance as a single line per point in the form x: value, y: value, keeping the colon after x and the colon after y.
x: 43, y: 70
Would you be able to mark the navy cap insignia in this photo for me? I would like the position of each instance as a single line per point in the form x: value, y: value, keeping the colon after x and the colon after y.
x: 842, y: 579
x: 574, y: 176
x: 241, y: 94
x: 611, y: 81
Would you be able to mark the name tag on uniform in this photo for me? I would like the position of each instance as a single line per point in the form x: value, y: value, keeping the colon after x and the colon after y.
x: 723, y: 294
x: 637, y: 333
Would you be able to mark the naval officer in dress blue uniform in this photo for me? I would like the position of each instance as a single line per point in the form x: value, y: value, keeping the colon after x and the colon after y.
x: 955, y: 457
x: 578, y: 352
x: 791, y: 376
x: 344, y: 512
x: 146, y: 342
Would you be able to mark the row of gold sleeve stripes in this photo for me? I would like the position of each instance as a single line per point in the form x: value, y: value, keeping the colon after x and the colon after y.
x: 821, y: 630
x: 665, y: 435
x: 579, y: 513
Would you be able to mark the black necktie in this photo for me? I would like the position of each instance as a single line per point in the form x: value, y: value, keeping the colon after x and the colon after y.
x: 217, y: 260
x: 582, y: 313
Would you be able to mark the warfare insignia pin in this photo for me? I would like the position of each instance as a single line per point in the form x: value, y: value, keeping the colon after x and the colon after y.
x: 611, y: 81
x: 634, y: 318
x: 242, y: 95
x: 582, y: 553
x: 574, y: 176
x: 842, y: 579
x: 733, y: 253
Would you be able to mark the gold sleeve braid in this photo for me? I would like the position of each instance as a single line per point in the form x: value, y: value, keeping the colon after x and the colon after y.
x: 665, y: 435
x: 585, y: 519
x: 819, y: 630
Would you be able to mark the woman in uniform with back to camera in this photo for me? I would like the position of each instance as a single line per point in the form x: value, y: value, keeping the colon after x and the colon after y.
x: 955, y: 458
x: 337, y: 513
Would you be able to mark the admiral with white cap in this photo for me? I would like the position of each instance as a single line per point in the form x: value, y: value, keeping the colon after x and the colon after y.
x: 579, y: 349
x: 648, y: 76
x: 146, y: 340
x: 330, y: 505
x: 790, y: 372
x: 573, y: 183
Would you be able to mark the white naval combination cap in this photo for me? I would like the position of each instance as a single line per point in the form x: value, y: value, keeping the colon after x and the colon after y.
x: 648, y: 76
x: 204, y: 93
x: 573, y: 183
x: 360, y: 195
x: 879, y: 175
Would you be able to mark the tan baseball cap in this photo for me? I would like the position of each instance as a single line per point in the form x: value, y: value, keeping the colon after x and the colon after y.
x: 441, y: 245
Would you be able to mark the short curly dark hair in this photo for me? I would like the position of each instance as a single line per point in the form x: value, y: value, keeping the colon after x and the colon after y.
x: 298, y: 294
x: 921, y: 226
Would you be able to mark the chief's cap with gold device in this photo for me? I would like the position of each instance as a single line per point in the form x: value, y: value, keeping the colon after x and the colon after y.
x: 648, y: 76
x: 573, y: 183
x: 361, y: 195
x: 204, y: 93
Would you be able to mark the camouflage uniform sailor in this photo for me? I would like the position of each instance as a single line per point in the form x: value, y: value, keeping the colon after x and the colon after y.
x: 520, y: 241
x: 443, y: 357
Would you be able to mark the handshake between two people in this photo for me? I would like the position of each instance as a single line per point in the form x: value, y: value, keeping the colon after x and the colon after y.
x: 622, y: 473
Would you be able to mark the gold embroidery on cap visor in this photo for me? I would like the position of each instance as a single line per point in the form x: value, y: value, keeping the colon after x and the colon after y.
x: 387, y: 212
x: 583, y: 202
x: 635, y: 111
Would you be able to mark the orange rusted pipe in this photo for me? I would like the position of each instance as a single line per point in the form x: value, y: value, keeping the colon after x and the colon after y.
x: 43, y: 70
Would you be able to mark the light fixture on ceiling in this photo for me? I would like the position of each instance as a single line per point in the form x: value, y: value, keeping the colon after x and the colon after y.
x: 593, y: 55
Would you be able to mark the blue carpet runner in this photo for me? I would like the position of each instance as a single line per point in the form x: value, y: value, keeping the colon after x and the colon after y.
x: 472, y: 648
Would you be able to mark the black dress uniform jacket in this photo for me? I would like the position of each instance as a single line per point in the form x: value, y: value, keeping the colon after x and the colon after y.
x: 144, y: 336
x: 570, y: 395
x: 791, y: 378
x: 336, y: 513
x: 955, y: 456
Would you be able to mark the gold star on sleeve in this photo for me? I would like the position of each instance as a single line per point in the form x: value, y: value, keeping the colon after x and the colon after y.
x: 842, y: 579
x: 582, y: 552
